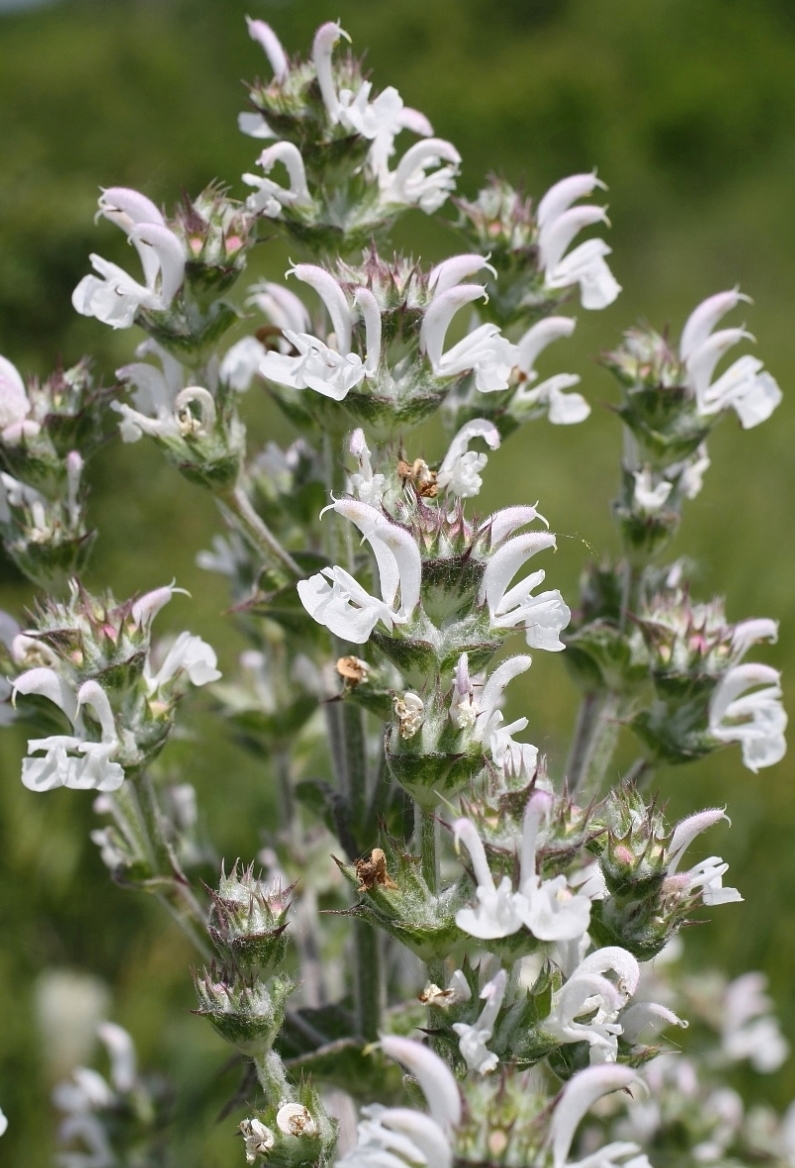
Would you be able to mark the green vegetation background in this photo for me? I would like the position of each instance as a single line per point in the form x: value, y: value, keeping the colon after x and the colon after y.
x: 688, y: 110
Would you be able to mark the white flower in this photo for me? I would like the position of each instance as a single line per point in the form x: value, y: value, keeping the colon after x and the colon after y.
x: 586, y: 1007
x: 460, y: 471
x: 189, y: 655
x: 13, y: 493
x: 691, y: 478
x: 364, y: 484
x: 707, y: 874
x: 646, y: 1018
x: 335, y: 599
x: 146, y: 607
x: 751, y: 393
x: 86, y: 1090
x: 751, y: 632
x: 293, y: 1119
x: 750, y: 1031
x: 756, y: 720
x: 241, y: 363
x: 282, y: 308
x: 380, y: 121
x: 400, y: 1137
x: 544, y: 616
x: 457, y: 991
x: 558, y: 223
x: 285, y: 312
x: 115, y: 297
x: 121, y: 1049
x: 577, y: 1097
x: 463, y: 708
x: 472, y: 1040
x: 14, y: 405
x: 155, y: 393
x: 270, y: 197
x: 332, y: 372
x: 71, y: 760
x: 505, y: 522
x: 485, y: 351
x: 647, y: 498
x: 3, y: 1123
x: 547, y: 907
x: 397, y: 1137
x: 258, y: 1139
x: 228, y: 556
x: 433, y: 1075
x: 252, y: 123
x: 563, y: 409
x: 421, y: 179
x: 410, y: 712
x: 489, y: 726
x: 496, y: 914
x: 88, y: 1129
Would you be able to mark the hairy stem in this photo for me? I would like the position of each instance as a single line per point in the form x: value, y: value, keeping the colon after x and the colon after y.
x: 595, y: 738
x: 272, y: 1076
x: 368, y: 980
x: 257, y: 532
x: 349, y: 756
x: 426, y: 833
x: 137, y: 812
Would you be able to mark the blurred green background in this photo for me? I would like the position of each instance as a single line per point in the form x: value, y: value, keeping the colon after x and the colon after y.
x: 688, y: 110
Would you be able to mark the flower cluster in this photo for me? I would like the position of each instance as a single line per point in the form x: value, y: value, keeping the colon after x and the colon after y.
x: 48, y: 430
x: 92, y: 660
x: 102, y: 1119
x: 323, y: 118
x: 705, y: 694
x: 529, y: 247
x: 381, y: 614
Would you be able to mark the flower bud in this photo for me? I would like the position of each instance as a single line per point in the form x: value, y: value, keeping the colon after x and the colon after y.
x: 247, y: 1013
x: 396, y: 898
x: 290, y: 1133
x: 247, y: 923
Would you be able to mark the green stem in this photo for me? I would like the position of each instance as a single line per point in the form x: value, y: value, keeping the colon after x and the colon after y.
x: 272, y: 1077
x: 136, y: 808
x: 426, y: 832
x: 368, y: 981
x: 257, y: 531
x: 595, y: 739
x: 284, y: 782
x: 356, y: 766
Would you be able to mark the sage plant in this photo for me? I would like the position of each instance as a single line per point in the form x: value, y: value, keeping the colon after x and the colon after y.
x: 500, y: 981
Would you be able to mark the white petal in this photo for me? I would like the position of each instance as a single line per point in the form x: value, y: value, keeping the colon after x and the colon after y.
x: 253, y: 125
x: 264, y: 35
x: 687, y: 830
x: 14, y: 404
x: 506, y: 562
x: 120, y: 1047
x: 536, y: 339
x: 451, y: 272
x: 48, y: 684
x: 438, y: 315
x: 241, y: 363
x: 561, y: 196
x: 636, y: 1018
x: 576, y: 1098
x: 127, y: 207
x: 433, y: 1075
x: 703, y: 319
x: 332, y: 296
